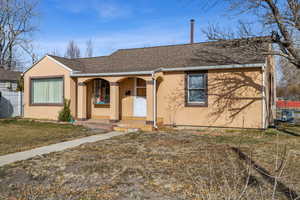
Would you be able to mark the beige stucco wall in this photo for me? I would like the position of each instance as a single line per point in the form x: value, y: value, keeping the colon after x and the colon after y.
x: 95, y: 111
x: 73, y: 95
x: 47, y: 67
x: 247, y: 105
x: 245, y: 110
x: 126, y: 102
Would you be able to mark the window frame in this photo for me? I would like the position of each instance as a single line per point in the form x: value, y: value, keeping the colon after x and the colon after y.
x: 94, y: 92
x: 31, y: 79
x: 196, y: 104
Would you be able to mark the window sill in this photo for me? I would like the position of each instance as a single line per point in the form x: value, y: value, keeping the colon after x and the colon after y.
x: 101, y: 105
x: 47, y: 104
x: 205, y: 104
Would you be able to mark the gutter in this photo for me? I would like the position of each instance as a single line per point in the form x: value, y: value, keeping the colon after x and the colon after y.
x: 213, y: 67
x: 237, y: 66
x: 113, y: 74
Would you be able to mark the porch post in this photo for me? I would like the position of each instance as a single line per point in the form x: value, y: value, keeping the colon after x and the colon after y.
x: 150, y: 102
x: 114, y: 101
x: 81, y: 104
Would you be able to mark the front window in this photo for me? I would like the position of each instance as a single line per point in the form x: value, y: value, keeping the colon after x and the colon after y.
x: 101, y: 92
x: 140, y: 87
x: 196, y: 89
x: 47, y: 91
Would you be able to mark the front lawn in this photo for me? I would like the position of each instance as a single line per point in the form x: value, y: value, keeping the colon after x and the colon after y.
x: 290, y: 129
x: 204, y: 164
x: 20, y: 135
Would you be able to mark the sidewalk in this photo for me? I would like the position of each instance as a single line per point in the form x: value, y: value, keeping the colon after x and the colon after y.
x: 24, y: 155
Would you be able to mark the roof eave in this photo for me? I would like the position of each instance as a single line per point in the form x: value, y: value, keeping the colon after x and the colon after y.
x: 192, y: 68
x: 111, y: 74
x: 9, y: 80
x: 234, y: 66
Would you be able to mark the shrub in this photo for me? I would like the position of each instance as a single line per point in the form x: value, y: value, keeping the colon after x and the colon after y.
x: 65, y: 113
x: 20, y: 85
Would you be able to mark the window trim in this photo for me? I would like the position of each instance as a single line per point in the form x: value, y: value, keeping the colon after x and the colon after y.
x: 186, y: 98
x: 40, y: 78
x: 93, y: 92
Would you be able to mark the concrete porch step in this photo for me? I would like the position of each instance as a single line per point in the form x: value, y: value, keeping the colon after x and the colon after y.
x: 95, y: 125
x: 126, y: 130
x: 123, y: 125
x: 131, y: 127
x: 97, y: 121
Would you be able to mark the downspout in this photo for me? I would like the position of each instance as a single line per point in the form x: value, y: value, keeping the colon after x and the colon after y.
x: 154, y: 100
x: 263, y: 98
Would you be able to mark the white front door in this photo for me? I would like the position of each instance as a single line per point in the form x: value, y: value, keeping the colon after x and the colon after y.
x: 140, y: 101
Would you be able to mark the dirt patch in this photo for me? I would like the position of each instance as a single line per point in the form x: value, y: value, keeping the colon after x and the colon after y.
x: 159, y: 165
x: 20, y: 135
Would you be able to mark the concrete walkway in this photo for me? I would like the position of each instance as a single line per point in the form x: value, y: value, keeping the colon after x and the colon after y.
x: 10, y: 158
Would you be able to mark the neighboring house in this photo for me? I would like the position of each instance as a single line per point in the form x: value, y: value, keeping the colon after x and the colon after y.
x: 288, y: 110
x: 198, y: 84
x: 10, y: 99
x: 9, y: 79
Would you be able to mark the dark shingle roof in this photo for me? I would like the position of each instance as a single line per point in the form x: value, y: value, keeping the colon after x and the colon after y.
x: 7, y: 75
x: 242, y: 51
x: 71, y: 63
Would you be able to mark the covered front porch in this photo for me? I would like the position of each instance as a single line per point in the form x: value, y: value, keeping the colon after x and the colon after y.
x: 121, y: 100
x: 131, y: 125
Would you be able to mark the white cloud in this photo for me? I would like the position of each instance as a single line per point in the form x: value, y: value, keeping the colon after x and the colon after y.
x: 112, y: 10
x: 105, y: 9
x: 107, y: 43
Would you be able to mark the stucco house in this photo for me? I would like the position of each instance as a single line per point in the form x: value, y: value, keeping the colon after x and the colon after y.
x: 10, y: 99
x: 197, y: 84
x: 9, y: 79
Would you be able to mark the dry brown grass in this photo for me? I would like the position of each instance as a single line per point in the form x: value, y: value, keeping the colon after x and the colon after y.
x: 20, y: 135
x: 163, y: 165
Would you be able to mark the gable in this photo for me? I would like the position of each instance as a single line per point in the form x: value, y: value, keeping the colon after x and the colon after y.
x: 47, y: 66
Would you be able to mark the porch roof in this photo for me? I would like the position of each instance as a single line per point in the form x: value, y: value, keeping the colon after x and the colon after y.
x: 227, y: 52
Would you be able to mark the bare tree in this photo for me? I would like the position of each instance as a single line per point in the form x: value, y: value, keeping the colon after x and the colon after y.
x: 281, y: 18
x: 289, y: 83
x: 214, y: 32
x: 55, y: 52
x: 290, y: 74
x: 30, y: 50
x: 89, y: 48
x: 16, y: 27
x: 73, y: 50
x: 290, y: 92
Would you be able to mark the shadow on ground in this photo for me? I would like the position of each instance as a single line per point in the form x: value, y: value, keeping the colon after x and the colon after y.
x: 281, y: 187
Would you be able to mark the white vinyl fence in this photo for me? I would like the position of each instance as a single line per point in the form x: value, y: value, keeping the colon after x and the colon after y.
x: 11, y: 104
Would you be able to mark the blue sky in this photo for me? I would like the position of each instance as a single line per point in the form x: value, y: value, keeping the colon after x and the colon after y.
x: 115, y: 24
